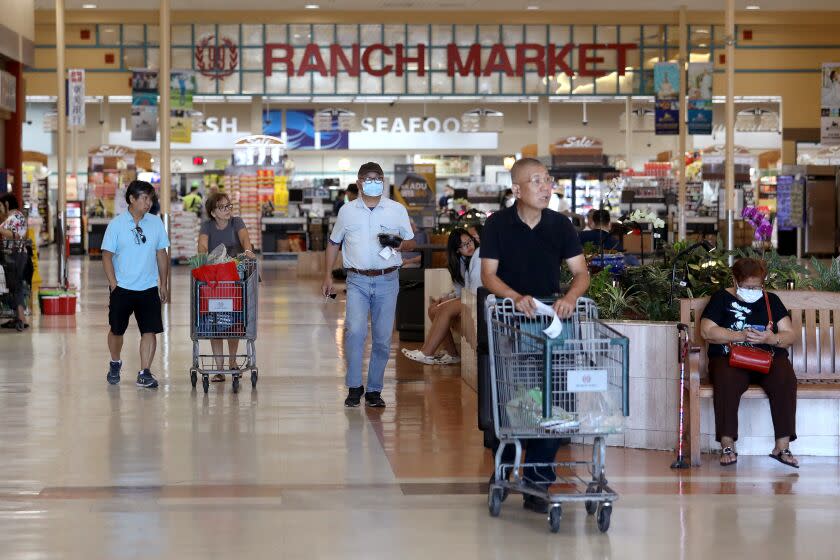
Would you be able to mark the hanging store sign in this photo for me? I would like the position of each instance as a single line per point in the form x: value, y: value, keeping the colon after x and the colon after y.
x: 666, y: 84
x: 76, y: 97
x: 700, y: 97
x: 577, y: 150
x: 830, y: 104
x: 144, y: 111
x: 182, y: 87
x: 379, y: 60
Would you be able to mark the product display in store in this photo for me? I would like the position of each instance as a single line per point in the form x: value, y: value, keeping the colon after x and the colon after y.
x: 184, y: 233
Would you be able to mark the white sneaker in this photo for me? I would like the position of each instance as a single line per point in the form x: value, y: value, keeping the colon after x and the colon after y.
x: 446, y: 359
x: 419, y: 356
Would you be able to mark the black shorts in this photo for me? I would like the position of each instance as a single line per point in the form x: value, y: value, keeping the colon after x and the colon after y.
x: 144, y: 305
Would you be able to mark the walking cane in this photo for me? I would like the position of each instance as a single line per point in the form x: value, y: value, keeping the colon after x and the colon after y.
x: 682, y: 329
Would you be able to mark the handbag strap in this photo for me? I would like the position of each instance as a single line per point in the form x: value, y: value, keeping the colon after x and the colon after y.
x: 769, y: 312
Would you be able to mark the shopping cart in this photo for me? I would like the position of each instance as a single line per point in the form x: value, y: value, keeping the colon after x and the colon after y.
x: 225, y: 310
x: 14, y: 283
x: 571, y: 386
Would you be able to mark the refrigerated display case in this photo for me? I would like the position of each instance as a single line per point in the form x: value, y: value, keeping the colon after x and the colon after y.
x: 75, y: 227
x: 821, y: 188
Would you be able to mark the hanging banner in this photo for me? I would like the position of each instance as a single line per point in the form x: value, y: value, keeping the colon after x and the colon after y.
x: 76, y: 98
x: 414, y: 187
x: 144, y: 111
x: 666, y: 83
x: 700, y: 97
x: 830, y: 104
x: 181, y: 91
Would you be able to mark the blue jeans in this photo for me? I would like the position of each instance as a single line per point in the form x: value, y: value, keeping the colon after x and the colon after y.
x: 374, y: 296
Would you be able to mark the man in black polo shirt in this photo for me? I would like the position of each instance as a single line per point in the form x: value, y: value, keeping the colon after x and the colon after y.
x: 522, y: 249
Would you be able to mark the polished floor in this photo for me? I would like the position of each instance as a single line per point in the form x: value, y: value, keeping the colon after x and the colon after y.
x: 285, y: 471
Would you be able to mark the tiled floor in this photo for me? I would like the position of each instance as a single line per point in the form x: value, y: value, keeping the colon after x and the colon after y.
x: 92, y: 471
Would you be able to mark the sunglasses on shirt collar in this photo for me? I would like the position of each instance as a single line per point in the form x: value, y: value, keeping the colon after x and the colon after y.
x: 138, y: 235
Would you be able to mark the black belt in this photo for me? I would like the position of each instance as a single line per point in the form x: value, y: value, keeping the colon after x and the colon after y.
x: 375, y: 271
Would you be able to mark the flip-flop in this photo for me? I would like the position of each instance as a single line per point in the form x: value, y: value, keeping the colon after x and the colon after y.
x: 784, y: 453
x: 726, y: 451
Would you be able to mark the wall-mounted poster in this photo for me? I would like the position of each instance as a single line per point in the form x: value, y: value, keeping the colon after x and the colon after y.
x: 666, y: 83
x: 830, y: 103
x: 182, y: 86
x: 144, y: 111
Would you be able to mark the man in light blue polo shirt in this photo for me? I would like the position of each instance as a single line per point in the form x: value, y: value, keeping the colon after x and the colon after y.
x: 137, y: 267
x: 371, y: 231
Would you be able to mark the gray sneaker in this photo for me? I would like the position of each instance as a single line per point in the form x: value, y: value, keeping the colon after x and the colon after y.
x: 114, y: 372
x: 146, y: 379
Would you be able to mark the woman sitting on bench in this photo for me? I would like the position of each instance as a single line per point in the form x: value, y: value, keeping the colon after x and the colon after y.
x: 465, y: 268
x: 738, y: 315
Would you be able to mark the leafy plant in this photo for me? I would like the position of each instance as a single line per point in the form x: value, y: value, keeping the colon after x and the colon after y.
x: 780, y: 269
x: 825, y: 278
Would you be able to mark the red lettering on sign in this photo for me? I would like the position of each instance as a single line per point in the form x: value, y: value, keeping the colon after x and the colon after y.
x: 621, y: 52
x: 498, y: 61
x: 523, y: 58
x: 403, y: 59
x: 455, y: 64
x: 312, y: 61
x: 586, y: 63
x: 337, y: 54
x: 386, y: 69
x: 557, y: 59
x: 269, y: 59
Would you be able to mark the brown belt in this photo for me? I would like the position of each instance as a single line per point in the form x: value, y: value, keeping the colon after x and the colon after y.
x: 374, y: 272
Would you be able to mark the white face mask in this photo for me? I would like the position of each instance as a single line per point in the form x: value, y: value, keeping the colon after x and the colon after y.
x: 750, y: 295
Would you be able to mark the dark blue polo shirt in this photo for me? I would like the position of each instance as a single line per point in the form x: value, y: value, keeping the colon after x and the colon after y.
x: 530, y: 259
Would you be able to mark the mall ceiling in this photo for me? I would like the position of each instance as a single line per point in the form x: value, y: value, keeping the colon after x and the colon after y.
x: 454, y: 5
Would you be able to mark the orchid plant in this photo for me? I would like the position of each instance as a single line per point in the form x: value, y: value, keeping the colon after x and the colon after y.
x: 760, y: 221
x: 642, y: 217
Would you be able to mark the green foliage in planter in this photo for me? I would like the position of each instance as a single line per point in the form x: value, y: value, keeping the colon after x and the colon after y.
x: 649, y: 287
x: 825, y: 278
x: 780, y: 269
x: 614, y: 302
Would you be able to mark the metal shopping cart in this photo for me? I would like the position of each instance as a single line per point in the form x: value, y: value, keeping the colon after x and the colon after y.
x: 15, y: 261
x: 225, y: 310
x: 571, y: 386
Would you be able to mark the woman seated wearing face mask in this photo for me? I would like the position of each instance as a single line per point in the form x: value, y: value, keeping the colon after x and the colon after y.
x: 739, y: 315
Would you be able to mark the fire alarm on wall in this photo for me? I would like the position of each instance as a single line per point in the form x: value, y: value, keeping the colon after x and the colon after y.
x: 747, y: 35
x: 199, y: 160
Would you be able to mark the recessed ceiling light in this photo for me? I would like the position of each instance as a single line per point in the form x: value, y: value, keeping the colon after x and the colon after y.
x: 312, y: 7
x: 753, y: 7
x: 533, y: 8
x: 88, y: 6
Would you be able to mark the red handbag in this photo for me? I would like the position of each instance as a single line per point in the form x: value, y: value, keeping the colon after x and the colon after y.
x: 750, y: 357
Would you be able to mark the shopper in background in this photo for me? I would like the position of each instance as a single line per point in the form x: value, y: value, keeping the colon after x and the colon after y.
x: 507, y: 199
x: 464, y: 265
x: 600, y: 235
x: 224, y: 229
x: 590, y: 223
x: 523, y: 248
x: 14, y: 227
x: 373, y: 231
x: 448, y: 194
x: 192, y: 201
x: 350, y: 194
x: 137, y: 268
x: 736, y: 315
x: 414, y: 259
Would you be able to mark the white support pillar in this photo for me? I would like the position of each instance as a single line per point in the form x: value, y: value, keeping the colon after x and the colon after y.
x: 61, y: 206
x: 730, y: 125
x: 163, y: 81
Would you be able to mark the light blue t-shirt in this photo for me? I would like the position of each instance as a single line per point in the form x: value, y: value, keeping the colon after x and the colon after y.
x: 135, y: 262
x: 358, y: 228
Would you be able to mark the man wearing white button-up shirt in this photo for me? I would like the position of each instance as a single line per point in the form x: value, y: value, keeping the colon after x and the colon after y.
x: 364, y: 229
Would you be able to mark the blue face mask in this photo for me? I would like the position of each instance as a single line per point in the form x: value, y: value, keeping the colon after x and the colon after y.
x: 373, y: 188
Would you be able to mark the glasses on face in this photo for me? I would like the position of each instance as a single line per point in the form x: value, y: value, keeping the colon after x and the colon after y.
x: 226, y: 207
x: 138, y: 235
x: 466, y: 244
x: 540, y: 180
x: 371, y: 180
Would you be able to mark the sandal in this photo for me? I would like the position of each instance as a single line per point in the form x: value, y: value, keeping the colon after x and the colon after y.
x: 418, y: 356
x: 446, y: 359
x: 728, y: 452
x: 784, y: 457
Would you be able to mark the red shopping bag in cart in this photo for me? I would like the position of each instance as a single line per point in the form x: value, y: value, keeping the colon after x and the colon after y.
x: 212, y: 273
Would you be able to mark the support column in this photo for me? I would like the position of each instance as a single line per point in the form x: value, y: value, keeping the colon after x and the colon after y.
x: 628, y: 131
x: 730, y: 126
x: 543, y: 127
x: 163, y: 81
x: 683, y: 60
x: 256, y: 115
x: 61, y: 134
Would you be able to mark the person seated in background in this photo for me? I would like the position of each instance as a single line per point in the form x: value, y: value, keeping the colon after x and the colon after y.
x: 507, y: 199
x: 599, y: 235
x: 414, y: 259
x: 739, y: 314
x: 464, y: 264
x: 443, y: 201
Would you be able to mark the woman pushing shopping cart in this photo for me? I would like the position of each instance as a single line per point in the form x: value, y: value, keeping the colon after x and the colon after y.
x: 550, y: 379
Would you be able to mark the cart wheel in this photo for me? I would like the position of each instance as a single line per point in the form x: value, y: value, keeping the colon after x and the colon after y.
x: 554, y: 516
x: 235, y: 383
x: 254, y: 377
x: 205, y: 382
x: 193, y: 377
x: 494, y: 502
x: 604, y: 513
x: 591, y: 505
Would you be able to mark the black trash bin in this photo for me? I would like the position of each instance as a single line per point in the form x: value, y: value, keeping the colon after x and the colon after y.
x: 410, y: 319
